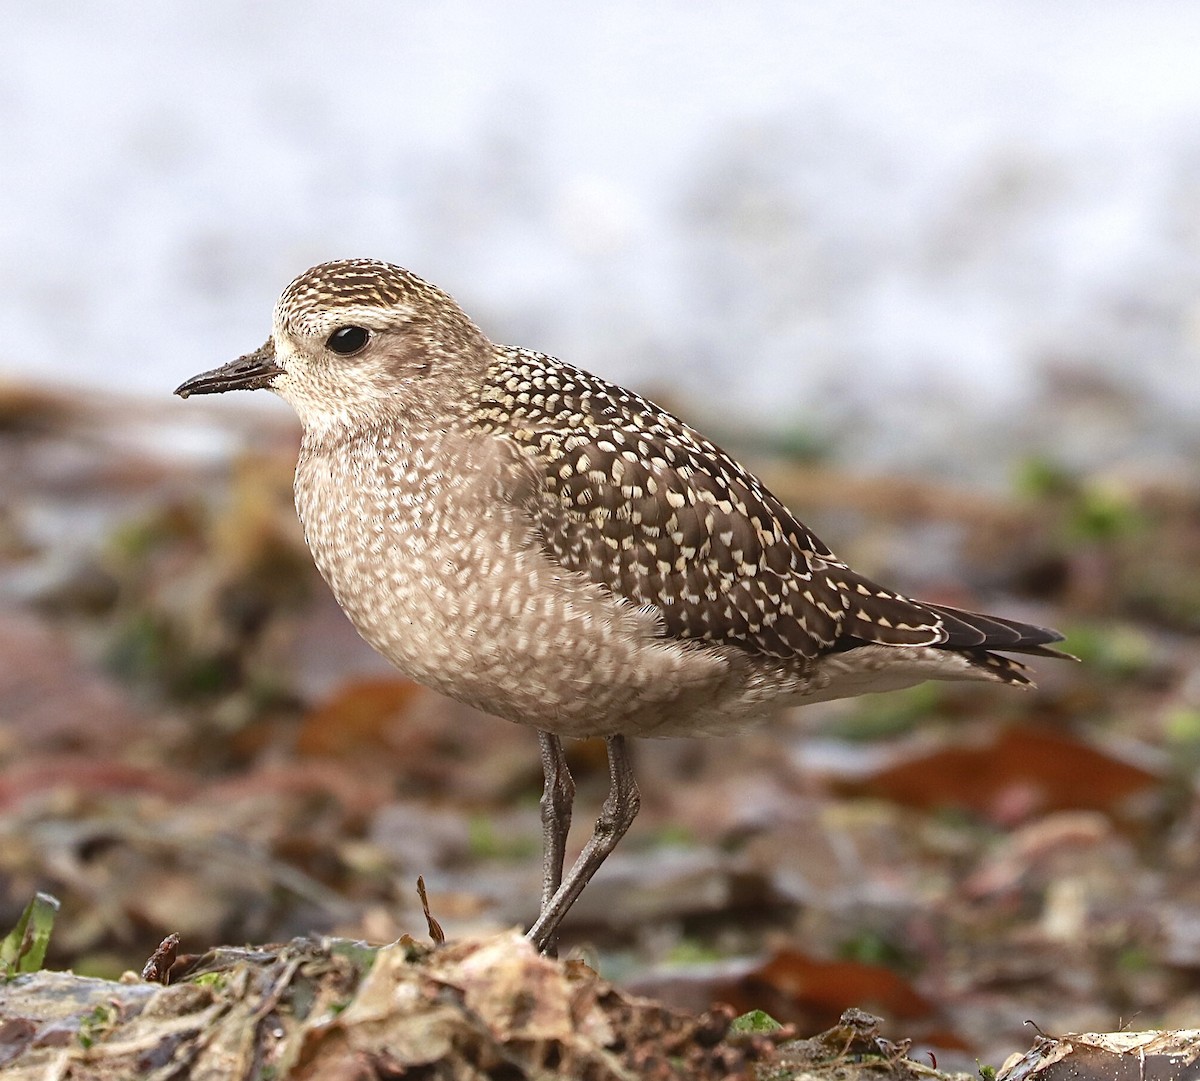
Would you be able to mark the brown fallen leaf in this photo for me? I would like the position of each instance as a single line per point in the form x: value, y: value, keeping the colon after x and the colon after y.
x: 1019, y: 773
x: 794, y: 987
x: 360, y: 718
x: 158, y: 968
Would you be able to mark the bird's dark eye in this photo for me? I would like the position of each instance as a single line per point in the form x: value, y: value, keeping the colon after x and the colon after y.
x: 346, y: 341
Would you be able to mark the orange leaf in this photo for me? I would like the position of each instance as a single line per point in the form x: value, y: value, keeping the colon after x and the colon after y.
x: 793, y: 987
x: 1024, y: 771
x: 359, y: 717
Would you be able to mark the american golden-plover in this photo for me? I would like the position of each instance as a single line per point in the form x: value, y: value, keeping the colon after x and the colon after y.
x: 552, y: 548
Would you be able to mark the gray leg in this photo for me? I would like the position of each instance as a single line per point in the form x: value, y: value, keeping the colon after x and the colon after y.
x: 619, y: 810
x: 558, y: 796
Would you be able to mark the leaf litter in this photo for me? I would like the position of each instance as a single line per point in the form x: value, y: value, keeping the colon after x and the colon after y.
x: 194, y: 741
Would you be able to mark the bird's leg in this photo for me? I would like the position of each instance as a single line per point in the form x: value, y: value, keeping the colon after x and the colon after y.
x: 558, y: 796
x: 616, y: 815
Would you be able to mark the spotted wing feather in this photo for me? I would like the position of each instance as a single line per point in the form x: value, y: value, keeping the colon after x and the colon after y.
x: 642, y: 504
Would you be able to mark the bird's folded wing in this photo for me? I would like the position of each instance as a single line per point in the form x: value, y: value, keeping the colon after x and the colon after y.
x: 643, y: 505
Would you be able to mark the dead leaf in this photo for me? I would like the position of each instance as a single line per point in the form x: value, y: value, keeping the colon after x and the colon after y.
x: 794, y: 987
x: 361, y: 718
x: 1021, y: 772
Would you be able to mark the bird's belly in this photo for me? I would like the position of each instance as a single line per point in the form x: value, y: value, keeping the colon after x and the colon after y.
x: 471, y: 606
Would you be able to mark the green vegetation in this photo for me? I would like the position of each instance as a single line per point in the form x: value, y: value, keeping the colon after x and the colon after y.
x: 882, y: 716
x: 1116, y: 650
x: 690, y: 951
x: 93, y: 1025
x: 754, y: 1021
x: 485, y: 842
x: 872, y: 948
x: 23, y: 949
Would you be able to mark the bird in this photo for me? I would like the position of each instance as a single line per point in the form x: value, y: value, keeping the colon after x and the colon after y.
x: 554, y: 549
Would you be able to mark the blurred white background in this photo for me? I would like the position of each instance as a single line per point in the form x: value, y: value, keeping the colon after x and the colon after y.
x: 937, y: 234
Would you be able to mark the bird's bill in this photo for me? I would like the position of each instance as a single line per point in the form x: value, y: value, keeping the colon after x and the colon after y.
x: 251, y: 372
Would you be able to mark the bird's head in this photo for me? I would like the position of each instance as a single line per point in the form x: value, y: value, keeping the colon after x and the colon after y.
x: 357, y: 340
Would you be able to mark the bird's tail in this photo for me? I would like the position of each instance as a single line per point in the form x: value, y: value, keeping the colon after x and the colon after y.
x: 878, y: 616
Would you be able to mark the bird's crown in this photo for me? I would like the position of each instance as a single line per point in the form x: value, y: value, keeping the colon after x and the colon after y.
x: 329, y: 288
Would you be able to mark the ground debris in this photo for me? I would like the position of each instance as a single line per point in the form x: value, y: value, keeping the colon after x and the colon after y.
x: 194, y: 740
x: 157, y: 969
x: 333, y: 1008
x: 854, y: 1050
x: 1109, y: 1056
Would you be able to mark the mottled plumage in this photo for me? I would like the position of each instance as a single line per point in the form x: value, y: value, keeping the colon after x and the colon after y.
x: 644, y: 505
x: 554, y: 549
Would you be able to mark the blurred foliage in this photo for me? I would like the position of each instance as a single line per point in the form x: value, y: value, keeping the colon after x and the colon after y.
x: 882, y: 716
x: 1109, y: 649
x: 1091, y: 509
x: 801, y: 442
x: 870, y: 947
x: 693, y: 951
x: 1181, y: 729
x: 1127, y: 549
x: 673, y: 835
x: 485, y: 841
x: 1182, y: 726
x: 198, y: 585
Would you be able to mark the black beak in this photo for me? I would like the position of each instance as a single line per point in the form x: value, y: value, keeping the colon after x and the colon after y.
x: 250, y: 372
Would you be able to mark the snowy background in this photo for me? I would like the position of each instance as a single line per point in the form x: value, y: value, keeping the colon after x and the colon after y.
x: 935, y: 234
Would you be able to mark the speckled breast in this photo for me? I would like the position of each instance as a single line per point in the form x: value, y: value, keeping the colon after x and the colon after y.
x: 428, y: 550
